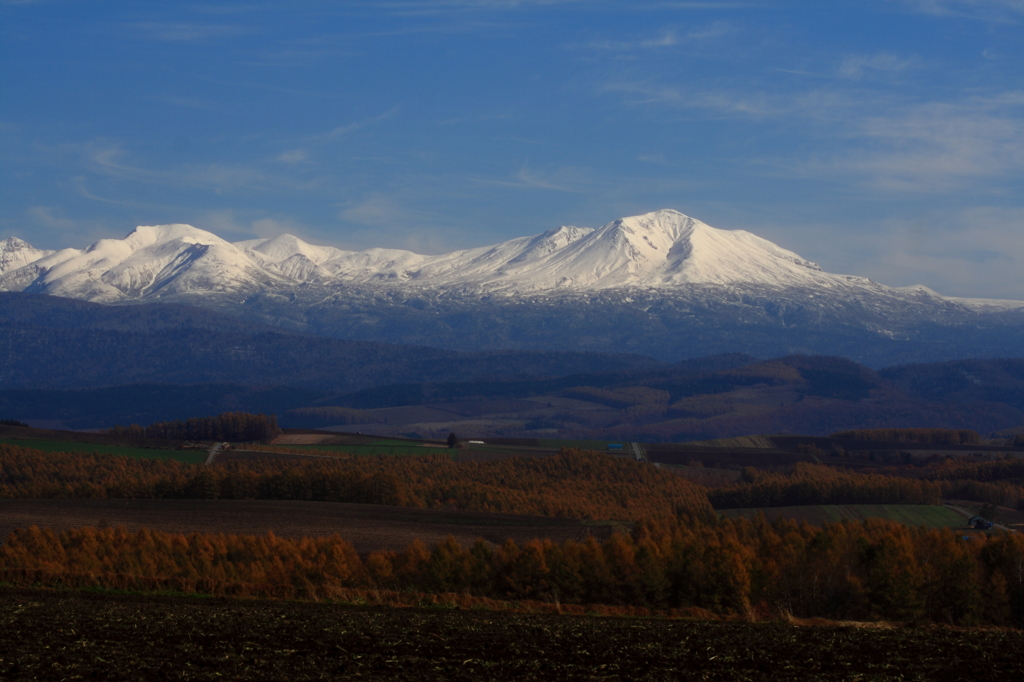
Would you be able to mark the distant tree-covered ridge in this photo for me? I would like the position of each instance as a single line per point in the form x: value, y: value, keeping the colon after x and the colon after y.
x: 229, y: 426
x: 574, y: 484
x: 929, y: 436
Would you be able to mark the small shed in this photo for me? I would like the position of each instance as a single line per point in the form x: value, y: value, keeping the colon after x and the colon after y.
x: 979, y: 523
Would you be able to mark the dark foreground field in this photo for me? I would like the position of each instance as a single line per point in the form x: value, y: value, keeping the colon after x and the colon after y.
x: 47, y: 635
x: 368, y: 527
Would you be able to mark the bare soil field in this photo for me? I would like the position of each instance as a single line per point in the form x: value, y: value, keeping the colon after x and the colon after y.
x: 52, y: 635
x: 723, y: 457
x: 368, y: 527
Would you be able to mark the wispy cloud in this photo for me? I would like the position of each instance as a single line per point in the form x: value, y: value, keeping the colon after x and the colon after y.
x: 985, y: 10
x: 189, y: 103
x: 572, y: 179
x: 347, y: 128
x: 46, y: 216
x: 294, y: 156
x: 856, y: 67
x: 893, y: 142
x: 723, y: 102
x: 377, y: 209
x: 937, y: 146
x: 666, y: 38
x: 188, y: 32
x: 110, y: 159
x: 330, y: 94
x: 81, y: 187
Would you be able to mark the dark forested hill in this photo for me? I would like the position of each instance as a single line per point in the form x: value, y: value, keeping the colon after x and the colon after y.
x: 86, y: 365
x: 48, y: 342
x: 963, y: 380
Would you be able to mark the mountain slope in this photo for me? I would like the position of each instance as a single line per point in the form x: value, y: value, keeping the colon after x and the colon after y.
x: 661, y: 284
x: 49, y: 342
x: 663, y: 250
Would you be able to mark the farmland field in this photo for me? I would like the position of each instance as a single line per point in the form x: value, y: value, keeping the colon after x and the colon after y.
x: 380, y: 448
x: 55, y: 635
x: 187, y: 456
x: 933, y: 516
x: 599, y: 445
x: 367, y: 527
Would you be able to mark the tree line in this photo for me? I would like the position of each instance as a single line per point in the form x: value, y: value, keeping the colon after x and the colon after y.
x: 572, y: 484
x: 928, y: 436
x: 228, y: 426
x: 818, y: 484
x: 873, y: 569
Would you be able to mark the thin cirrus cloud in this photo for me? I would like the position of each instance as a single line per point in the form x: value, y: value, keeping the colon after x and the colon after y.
x: 666, y: 38
x: 110, y: 160
x: 856, y: 67
x: 936, y: 146
x: 884, y: 140
x: 569, y: 179
x: 187, y: 32
x: 985, y: 10
x: 294, y: 156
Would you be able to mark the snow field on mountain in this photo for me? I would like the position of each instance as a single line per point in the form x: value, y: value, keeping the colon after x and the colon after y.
x: 664, y: 250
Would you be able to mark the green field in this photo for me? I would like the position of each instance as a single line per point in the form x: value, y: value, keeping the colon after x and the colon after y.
x: 933, y: 516
x: 599, y: 445
x: 187, y: 456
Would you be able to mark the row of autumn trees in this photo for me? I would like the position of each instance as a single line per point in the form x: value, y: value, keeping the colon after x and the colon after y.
x: 928, y: 436
x: 229, y: 426
x: 810, y: 484
x: 997, y: 481
x: 873, y: 569
x: 572, y: 484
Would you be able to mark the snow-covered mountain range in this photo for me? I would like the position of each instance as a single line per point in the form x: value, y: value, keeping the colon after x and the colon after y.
x: 664, y: 270
x: 663, y: 250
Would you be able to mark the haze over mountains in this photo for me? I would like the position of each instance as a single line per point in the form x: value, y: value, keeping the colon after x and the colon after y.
x: 661, y: 284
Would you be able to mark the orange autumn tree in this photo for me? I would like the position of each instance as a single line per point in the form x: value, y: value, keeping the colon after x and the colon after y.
x: 866, y: 570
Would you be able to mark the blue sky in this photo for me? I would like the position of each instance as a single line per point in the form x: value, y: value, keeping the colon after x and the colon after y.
x: 882, y: 138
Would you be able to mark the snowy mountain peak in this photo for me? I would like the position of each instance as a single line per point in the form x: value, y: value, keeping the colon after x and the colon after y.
x: 656, y: 250
x: 12, y: 244
x: 662, y: 251
x: 148, y: 235
x: 16, y: 253
x: 285, y: 246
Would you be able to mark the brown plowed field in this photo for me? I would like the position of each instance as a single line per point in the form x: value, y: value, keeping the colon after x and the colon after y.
x: 368, y: 527
x: 48, y: 635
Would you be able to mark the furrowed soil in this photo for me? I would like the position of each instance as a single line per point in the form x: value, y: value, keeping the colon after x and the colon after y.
x: 368, y: 527
x: 52, y: 635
